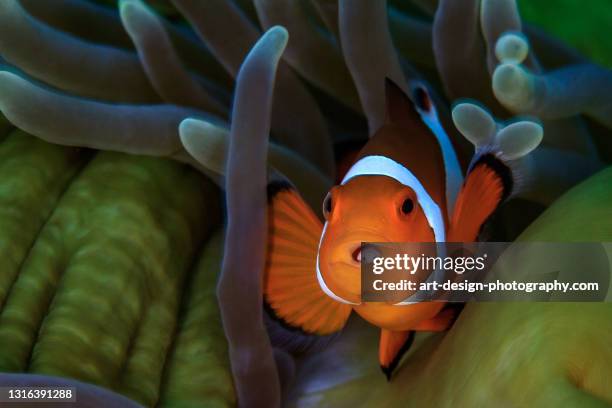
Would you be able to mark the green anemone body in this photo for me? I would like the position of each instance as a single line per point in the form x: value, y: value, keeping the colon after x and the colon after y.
x: 106, y: 275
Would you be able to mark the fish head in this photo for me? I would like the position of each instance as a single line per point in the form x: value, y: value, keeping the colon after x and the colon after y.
x: 364, y: 210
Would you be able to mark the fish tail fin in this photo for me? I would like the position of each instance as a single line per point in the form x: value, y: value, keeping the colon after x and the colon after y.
x: 291, y: 290
x: 393, y: 346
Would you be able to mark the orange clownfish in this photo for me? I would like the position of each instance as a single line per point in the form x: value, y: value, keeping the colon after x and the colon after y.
x: 396, y: 191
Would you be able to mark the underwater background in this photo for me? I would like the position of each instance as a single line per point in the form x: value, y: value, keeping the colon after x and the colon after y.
x: 112, y: 214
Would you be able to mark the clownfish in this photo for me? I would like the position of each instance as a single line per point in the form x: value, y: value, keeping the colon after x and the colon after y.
x: 396, y: 191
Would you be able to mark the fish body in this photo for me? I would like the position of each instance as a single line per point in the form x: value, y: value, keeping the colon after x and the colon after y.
x: 396, y: 191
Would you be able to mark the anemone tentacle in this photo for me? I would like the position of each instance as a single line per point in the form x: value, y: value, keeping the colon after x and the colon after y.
x: 161, y: 63
x: 568, y: 91
x: 312, y: 53
x: 257, y: 384
x: 67, y: 120
x: 297, y: 121
x: 370, y: 55
x: 69, y: 63
x: 209, y: 144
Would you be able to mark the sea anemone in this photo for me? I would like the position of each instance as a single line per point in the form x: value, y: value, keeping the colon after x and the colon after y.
x: 79, y: 74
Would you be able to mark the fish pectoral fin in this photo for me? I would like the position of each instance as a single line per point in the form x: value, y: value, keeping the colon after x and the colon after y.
x: 393, y: 346
x: 486, y: 186
x: 291, y: 288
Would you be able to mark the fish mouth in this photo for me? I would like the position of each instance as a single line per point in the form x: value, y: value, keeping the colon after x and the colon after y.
x: 364, y: 249
x: 353, y: 253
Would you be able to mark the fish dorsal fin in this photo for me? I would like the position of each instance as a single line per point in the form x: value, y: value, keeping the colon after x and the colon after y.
x: 407, y: 140
x: 399, y: 108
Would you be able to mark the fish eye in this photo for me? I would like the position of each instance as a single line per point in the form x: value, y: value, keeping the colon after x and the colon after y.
x: 407, y: 206
x: 327, y: 205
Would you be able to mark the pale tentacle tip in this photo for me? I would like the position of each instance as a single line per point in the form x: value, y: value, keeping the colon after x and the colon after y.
x: 511, y: 86
x: 128, y: 6
x: 474, y: 123
x: 196, y: 133
x: 277, y: 36
x: 5, y: 73
x: 205, y: 142
x: 519, y: 138
x: 280, y: 31
x: 512, y: 48
x: 8, y: 78
x: 135, y: 13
